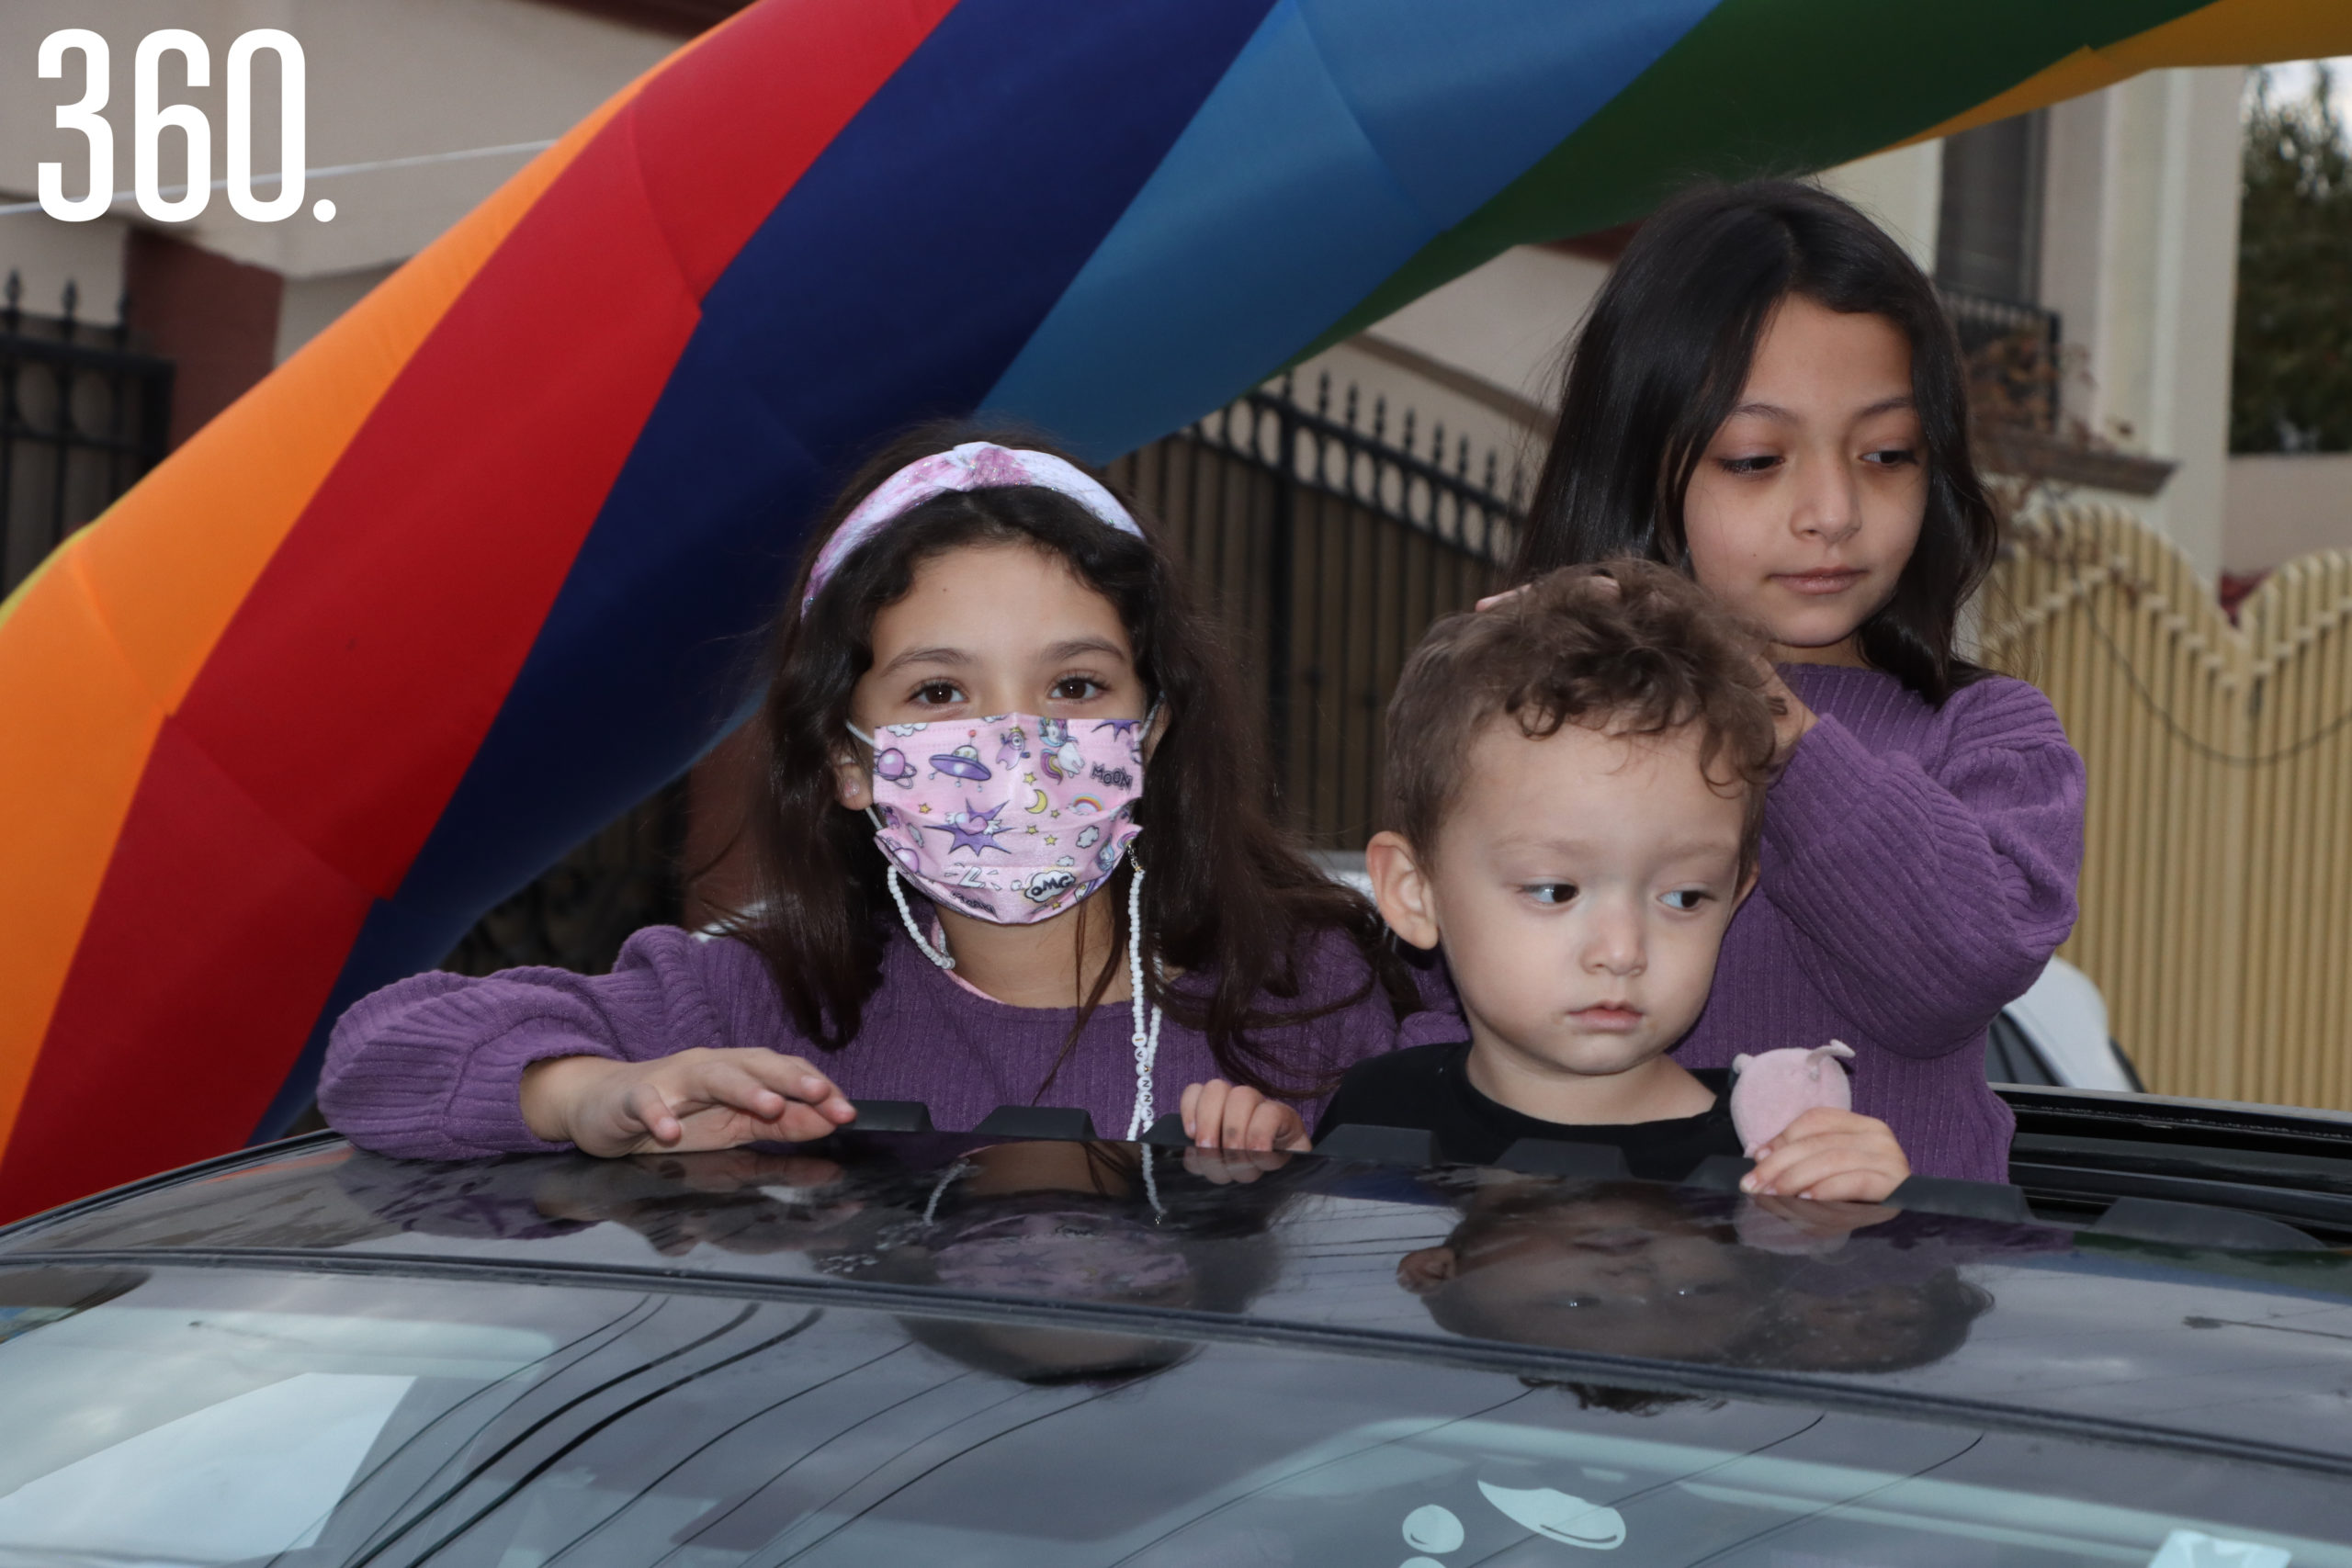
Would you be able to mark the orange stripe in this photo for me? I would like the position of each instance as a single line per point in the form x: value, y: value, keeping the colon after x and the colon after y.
x: 2229, y: 32
x: 107, y: 638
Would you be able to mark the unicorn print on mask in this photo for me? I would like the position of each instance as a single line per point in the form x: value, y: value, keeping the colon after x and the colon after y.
x: 1061, y: 757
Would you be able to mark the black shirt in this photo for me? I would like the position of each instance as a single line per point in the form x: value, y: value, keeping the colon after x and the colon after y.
x: 1427, y: 1087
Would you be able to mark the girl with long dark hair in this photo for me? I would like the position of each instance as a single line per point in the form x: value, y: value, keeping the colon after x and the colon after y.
x: 1013, y: 847
x: 1767, y: 395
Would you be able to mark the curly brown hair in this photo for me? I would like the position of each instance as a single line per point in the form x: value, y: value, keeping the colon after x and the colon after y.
x: 1628, y: 648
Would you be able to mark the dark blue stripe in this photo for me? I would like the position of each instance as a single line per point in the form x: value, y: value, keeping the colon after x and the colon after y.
x: 895, y: 282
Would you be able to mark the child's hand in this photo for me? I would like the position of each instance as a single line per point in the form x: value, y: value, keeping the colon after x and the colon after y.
x: 1828, y: 1154
x: 694, y: 1100
x: 1791, y: 718
x: 1219, y: 1115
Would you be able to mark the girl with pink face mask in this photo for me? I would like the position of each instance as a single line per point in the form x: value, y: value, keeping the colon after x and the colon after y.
x: 1012, y: 848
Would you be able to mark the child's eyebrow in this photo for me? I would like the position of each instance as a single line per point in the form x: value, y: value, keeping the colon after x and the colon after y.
x: 928, y: 656
x: 1774, y: 411
x: 1670, y: 849
x: 1077, y: 645
x: 1677, y: 849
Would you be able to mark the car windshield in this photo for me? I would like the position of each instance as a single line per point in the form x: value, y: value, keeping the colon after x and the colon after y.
x: 172, y: 1416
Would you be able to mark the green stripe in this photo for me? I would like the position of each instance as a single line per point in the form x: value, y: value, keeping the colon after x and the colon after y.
x: 1766, y: 87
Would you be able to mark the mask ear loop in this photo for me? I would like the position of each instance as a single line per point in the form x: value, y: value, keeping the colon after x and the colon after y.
x: 1146, y: 1039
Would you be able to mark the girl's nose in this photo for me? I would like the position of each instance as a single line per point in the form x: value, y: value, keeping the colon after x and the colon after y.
x: 1829, y: 504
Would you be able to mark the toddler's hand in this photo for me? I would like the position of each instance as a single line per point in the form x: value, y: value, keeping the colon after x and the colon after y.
x: 1827, y: 1154
x: 694, y: 1100
x: 1219, y: 1115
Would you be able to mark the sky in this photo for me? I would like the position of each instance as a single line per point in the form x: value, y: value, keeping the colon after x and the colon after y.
x: 2293, y: 81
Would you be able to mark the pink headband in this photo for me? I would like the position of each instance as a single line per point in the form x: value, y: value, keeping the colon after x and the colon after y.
x: 975, y: 465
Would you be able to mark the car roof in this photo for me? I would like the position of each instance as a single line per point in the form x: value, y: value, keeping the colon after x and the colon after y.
x: 2172, y: 1327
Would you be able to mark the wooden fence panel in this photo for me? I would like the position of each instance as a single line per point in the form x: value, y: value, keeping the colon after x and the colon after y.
x: 2217, y: 875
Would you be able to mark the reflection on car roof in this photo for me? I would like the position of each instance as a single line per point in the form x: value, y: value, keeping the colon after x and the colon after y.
x: 1680, y: 1286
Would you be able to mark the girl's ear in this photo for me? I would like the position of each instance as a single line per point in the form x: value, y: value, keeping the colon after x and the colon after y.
x: 853, y: 782
x: 1401, y: 889
x: 1160, y: 720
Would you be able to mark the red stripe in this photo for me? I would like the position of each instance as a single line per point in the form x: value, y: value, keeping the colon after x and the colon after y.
x: 343, y: 703
x: 151, y: 1054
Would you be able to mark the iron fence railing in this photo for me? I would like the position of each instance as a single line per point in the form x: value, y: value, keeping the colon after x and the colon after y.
x: 2012, y: 350
x: 83, y: 415
x: 1327, y: 537
x: 1982, y: 319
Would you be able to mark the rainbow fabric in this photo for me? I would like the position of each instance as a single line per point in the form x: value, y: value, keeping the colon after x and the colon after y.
x: 477, y: 568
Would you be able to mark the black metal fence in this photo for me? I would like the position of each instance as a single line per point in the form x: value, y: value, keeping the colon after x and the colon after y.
x: 82, y: 414
x: 2016, y: 369
x: 1329, y: 538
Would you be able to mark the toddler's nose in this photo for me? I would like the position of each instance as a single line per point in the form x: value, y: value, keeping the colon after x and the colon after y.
x: 1613, y: 943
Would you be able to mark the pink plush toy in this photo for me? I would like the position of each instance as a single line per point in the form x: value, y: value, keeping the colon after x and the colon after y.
x: 1771, y: 1090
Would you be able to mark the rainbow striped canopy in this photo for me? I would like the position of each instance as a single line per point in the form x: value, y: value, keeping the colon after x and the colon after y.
x: 472, y: 572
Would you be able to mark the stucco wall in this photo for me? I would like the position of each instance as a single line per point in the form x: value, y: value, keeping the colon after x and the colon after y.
x: 1506, y: 321
x: 2140, y: 260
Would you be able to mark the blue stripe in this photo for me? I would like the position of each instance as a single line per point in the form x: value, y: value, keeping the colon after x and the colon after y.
x: 894, y: 282
x: 1348, y: 135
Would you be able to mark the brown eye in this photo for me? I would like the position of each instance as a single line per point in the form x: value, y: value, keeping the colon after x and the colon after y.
x: 937, y: 693
x: 1749, y: 465
x: 1076, y: 688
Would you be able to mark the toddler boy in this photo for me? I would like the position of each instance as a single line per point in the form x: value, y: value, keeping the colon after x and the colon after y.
x: 1576, y: 798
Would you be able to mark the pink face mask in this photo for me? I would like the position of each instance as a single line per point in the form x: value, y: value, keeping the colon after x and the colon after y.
x: 1013, y: 819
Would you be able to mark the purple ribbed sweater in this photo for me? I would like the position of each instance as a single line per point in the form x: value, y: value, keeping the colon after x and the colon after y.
x: 431, y: 1067
x: 1918, y: 871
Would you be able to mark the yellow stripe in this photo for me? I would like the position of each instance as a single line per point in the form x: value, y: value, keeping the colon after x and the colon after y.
x: 2229, y: 32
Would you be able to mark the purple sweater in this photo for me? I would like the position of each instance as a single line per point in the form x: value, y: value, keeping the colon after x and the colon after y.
x: 432, y: 1067
x: 1918, y: 872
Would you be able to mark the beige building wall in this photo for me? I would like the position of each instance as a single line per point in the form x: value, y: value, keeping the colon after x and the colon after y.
x: 1903, y: 191
x: 2140, y: 260
x: 1480, y: 357
x: 1508, y: 322
x: 2162, y: 359
x: 2283, y: 505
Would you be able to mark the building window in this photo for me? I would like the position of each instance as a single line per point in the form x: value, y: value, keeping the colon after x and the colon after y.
x: 1988, y: 237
